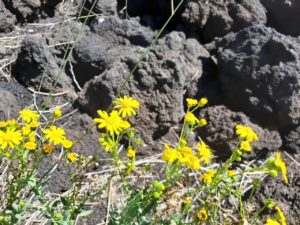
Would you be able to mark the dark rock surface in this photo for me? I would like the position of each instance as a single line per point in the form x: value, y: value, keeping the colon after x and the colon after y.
x: 28, y: 11
x: 43, y: 67
x: 292, y: 140
x: 220, y: 131
x: 259, y: 73
x: 217, y: 18
x: 160, y: 82
x: 101, y: 46
x: 7, y: 19
x: 283, y: 15
x: 9, y: 106
x: 286, y: 195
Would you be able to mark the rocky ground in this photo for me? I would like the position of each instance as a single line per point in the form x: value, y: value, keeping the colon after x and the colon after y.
x: 244, y: 55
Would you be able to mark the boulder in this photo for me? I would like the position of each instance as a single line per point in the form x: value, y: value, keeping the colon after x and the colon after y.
x: 220, y: 135
x: 159, y: 83
x: 217, y: 18
x: 283, y: 15
x: 43, y: 67
x: 7, y: 19
x: 259, y: 71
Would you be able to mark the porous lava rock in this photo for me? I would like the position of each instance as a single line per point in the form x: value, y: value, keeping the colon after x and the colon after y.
x: 106, y: 42
x: 28, y: 11
x: 287, y: 196
x: 7, y: 19
x: 218, y: 17
x: 292, y: 140
x: 220, y: 135
x: 36, y: 64
x: 159, y: 83
x: 9, y: 106
x: 259, y: 71
x: 283, y: 15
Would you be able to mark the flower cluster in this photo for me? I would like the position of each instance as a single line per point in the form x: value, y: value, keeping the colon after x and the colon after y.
x: 247, y: 135
x: 23, y: 135
x: 115, y: 124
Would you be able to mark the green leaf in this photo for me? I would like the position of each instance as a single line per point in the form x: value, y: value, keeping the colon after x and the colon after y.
x: 85, y: 213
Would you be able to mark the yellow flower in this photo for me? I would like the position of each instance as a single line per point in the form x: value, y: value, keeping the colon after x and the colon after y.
x: 271, y: 222
x: 190, y: 118
x: 10, y: 138
x: 208, y: 176
x: 12, y: 123
x: 130, y: 153
x: 246, y: 146
x: 67, y: 144
x: 282, y: 166
x: 191, y: 102
x: 34, y: 124
x: 126, y: 106
x: 204, y: 153
x: 57, y: 113
x: 202, y: 122
x: 72, y: 156
x: 246, y: 133
x: 187, y: 201
x: 28, y: 115
x: 186, y: 151
x: 49, y: 149
x: 202, y: 102
x: 107, y: 143
x: 281, y: 215
x: 3, y: 124
x: 230, y: 173
x: 31, y: 137
x: 26, y: 130
x: 169, y: 154
x: 113, y: 123
x: 202, y: 215
x: 30, y: 145
x: 193, y: 162
x: 55, y: 135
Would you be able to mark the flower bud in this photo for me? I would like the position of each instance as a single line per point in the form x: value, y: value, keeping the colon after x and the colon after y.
x: 273, y: 173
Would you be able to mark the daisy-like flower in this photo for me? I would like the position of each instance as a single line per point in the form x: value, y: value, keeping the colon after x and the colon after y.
x: 107, y: 143
x: 57, y: 113
x: 3, y: 124
x: 246, y: 146
x: 130, y: 153
x: 193, y: 162
x: 202, y: 215
x: 112, y: 122
x: 191, y: 102
x: 271, y: 222
x: 282, y: 166
x: 246, y: 133
x: 10, y: 138
x: 190, y: 118
x: 72, y: 157
x: 28, y: 115
x: 204, y: 153
x: 126, y: 106
x: 55, y: 135
x: 30, y: 145
x: 49, y: 149
x: 202, y: 122
x: 208, y: 176
x: 67, y: 144
x: 169, y: 154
